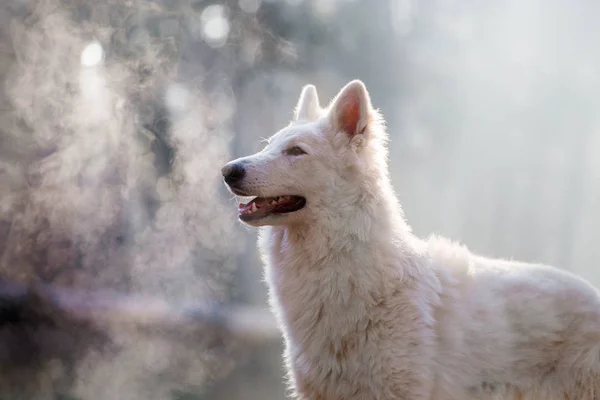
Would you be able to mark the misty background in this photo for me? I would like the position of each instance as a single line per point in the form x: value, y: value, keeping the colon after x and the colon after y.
x: 116, y: 116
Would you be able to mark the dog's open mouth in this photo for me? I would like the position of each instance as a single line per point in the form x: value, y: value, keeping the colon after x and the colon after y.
x: 260, y: 207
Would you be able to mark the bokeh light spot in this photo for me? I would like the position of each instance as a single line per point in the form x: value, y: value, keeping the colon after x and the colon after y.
x: 215, y: 25
x: 92, y: 54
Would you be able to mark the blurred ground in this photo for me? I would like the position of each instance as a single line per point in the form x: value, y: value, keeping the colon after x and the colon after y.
x: 115, y: 117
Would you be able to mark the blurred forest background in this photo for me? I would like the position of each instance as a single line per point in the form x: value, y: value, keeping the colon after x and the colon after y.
x: 116, y: 115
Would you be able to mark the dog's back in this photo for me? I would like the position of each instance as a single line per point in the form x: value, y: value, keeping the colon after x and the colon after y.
x: 524, y: 329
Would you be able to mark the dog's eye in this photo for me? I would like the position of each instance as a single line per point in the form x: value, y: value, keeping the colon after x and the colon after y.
x: 294, y: 151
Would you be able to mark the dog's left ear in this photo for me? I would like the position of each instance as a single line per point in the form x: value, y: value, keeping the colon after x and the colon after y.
x: 308, y: 107
x: 350, y: 110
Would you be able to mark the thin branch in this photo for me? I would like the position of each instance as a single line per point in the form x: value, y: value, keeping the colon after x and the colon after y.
x: 32, y: 304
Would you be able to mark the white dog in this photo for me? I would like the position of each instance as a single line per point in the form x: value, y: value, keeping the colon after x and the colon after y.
x: 368, y: 310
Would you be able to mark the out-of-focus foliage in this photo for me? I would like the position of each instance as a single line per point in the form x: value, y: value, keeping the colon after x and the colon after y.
x: 115, y: 117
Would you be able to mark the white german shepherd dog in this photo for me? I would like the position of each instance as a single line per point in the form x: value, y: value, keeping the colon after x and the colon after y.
x: 369, y: 311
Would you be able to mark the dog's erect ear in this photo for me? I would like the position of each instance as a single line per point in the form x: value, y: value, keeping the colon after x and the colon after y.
x: 308, y: 104
x: 351, y: 108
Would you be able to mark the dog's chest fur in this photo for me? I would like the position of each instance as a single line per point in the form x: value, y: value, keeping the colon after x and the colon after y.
x: 339, y: 316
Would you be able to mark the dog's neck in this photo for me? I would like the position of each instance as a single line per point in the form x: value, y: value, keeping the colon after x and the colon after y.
x: 320, y: 263
x: 370, y: 223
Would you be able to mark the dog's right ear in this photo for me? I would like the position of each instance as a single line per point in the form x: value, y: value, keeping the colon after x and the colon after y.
x: 308, y: 107
x: 350, y: 111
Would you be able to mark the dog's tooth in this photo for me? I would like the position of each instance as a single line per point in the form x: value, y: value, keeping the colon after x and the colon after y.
x: 253, y: 207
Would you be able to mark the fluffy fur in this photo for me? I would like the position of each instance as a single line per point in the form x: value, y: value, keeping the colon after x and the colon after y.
x: 371, y: 312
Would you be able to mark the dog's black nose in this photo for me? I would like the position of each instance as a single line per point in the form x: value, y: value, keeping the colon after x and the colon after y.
x: 233, y: 173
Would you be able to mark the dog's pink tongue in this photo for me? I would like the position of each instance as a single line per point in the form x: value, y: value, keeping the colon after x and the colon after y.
x: 258, y: 202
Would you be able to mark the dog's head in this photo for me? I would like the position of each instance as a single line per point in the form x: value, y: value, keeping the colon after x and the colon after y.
x: 321, y: 163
